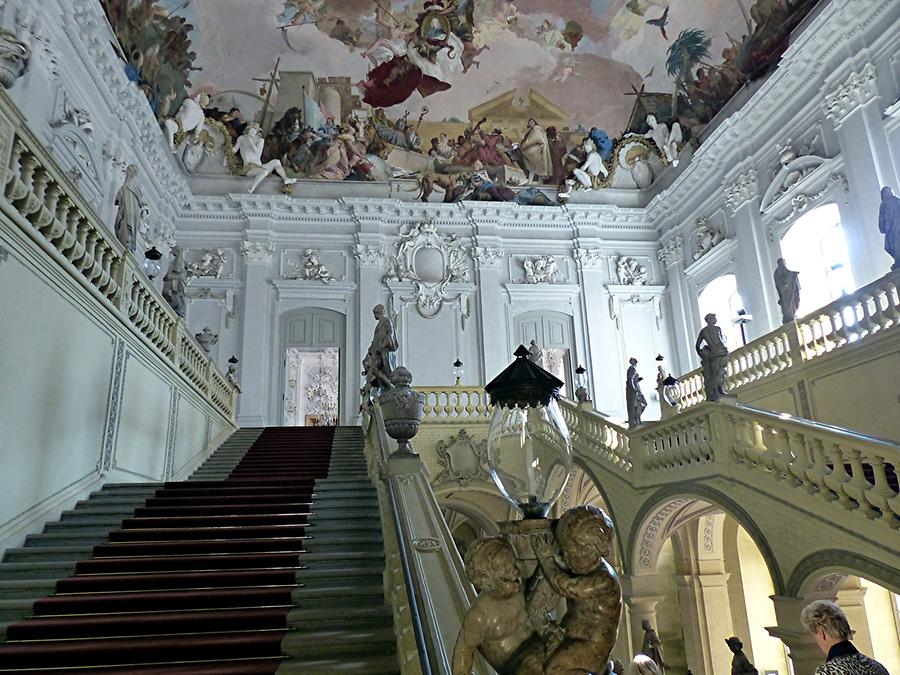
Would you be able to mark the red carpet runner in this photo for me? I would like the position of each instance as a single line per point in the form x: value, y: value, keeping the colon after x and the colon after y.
x: 199, y: 581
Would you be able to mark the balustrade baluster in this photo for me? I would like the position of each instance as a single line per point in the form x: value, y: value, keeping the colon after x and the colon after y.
x: 857, y: 486
x: 15, y: 189
x: 819, y: 470
x: 800, y: 461
x: 881, y: 495
x: 837, y: 479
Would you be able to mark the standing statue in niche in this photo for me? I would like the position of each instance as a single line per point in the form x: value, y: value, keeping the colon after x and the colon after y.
x: 713, y: 358
x: 231, y: 375
x: 740, y: 664
x: 189, y: 119
x: 591, y: 589
x: 250, y: 148
x: 652, y: 647
x: 380, y: 360
x: 787, y: 285
x: 175, y: 282
x: 131, y: 210
x: 497, y: 623
x: 634, y: 398
x: 889, y: 224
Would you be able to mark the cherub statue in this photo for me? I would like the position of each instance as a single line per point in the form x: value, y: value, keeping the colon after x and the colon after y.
x: 666, y: 140
x: 189, y: 119
x: 250, y: 148
x: 589, y: 584
x: 587, y: 176
x: 497, y: 623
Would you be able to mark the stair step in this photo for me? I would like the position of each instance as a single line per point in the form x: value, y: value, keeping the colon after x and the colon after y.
x: 380, y: 664
x: 36, y: 570
x: 12, y: 589
x: 48, y: 553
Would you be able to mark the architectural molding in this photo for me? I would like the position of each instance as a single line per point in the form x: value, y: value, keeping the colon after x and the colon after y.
x: 310, y: 289
x: 551, y: 294
x: 258, y: 252
x: 487, y: 257
x: 589, y: 258
x: 620, y: 294
x: 744, y: 188
x: 671, y: 252
x: 856, y: 90
x: 719, y: 255
x: 368, y: 255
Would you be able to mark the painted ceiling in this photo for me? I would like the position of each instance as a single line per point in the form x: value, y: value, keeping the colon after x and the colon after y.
x: 585, y: 56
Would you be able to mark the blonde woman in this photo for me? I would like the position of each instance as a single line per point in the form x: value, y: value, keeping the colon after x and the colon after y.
x: 643, y: 665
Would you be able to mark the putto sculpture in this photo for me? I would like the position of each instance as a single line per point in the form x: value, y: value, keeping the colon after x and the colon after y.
x: 573, y: 567
x: 787, y: 285
x: 589, y: 175
x: 540, y: 270
x: 311, y: 269
x: 713, y: 358
x: 630, y: 272
x: 210, y: 264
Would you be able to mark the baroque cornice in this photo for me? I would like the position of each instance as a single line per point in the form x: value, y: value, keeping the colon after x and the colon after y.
x: 856, y: 90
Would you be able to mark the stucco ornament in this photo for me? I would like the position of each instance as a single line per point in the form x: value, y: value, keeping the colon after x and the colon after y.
x: 310, y: 268
x: 14, y: 56
x: 462, y: 460
x: 430, y: 261
x: 630, y: 272
x: 706, y: 238
x: 541, y: 270
x: 207, y: 339
x: 210, y: 264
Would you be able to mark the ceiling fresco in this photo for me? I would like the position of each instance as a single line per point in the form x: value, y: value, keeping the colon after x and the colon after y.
x: 442, y: 65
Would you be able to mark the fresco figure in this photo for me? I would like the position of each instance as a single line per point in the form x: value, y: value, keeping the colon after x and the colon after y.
x: 535, y: 148
x: 189, y: 119
x: 250, y: 147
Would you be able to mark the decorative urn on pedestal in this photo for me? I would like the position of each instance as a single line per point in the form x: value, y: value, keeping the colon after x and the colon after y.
x: 402, y: 409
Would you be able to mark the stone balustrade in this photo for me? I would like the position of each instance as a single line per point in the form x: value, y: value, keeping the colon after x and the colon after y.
x: 40, y: 199
x: 865, y: 312
x: 455, y: 404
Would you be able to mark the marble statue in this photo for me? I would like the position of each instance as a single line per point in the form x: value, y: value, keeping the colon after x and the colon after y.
x: 175, y: 282
x: 889, y: 224
x: 787, y: 285
x: 132, y: 210
x: 497, y: 623
x: 190, y: 118
x: 250, y: 148
x: 14, y: 55
x: 540, y: 270
x: 534, y: 353
x: 634, y: 398
x: 231, y: 375
x: 591, y: 589
x: 707, y: 238
x: 740, y: 664
x: 630, y: 272
x: 652, y: 647
x: 206, y: 339
x: 588, y: 175
x: 713, y: 358
x: 380, y: 359
x: 667, y: 140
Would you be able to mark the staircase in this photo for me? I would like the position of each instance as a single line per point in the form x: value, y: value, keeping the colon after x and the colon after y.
x: 269, y: 559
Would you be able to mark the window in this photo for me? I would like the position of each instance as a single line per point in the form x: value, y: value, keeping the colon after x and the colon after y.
x: 720, y: 297
x: 815, y: 247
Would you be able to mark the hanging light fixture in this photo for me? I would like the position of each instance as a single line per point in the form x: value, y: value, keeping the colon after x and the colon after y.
x: 529, y: 451
x: 151, y: 263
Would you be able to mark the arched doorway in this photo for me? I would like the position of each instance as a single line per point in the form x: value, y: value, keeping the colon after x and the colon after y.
x: 311, y: 367
x: 815, y: 247
x: 721, y: 297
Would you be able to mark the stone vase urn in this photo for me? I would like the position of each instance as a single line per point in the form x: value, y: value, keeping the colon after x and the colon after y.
x: 403, y: 409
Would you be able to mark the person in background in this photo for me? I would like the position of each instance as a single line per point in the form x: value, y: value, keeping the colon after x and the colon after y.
x: 643, y: 665
x: 829, y: 626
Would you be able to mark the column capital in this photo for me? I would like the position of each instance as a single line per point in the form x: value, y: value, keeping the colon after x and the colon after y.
x: 589, y: 258
x: 258, y: 252
x: 856, y: 90
x: 487, y: 257
x: 671, y: 252
x: 368, y: 255
x: 744, y: 188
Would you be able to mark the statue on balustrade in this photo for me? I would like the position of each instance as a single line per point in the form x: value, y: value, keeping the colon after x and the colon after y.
x: 713, y: 358
x: 231, y: 375
x: 652, y: 646
x: 634, y: 397
x: 740, y: 664
x: 788, y: 286
x: 175, y: 283
x: 889, y: 224
x: 497, y: 623
x: 380, y: 360
x: 131, y: 210
x: 534, y: 353
x: 590, y: 586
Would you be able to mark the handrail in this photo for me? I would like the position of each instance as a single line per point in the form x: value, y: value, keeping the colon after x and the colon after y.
x: 40, y: 199
x: 869, y: 310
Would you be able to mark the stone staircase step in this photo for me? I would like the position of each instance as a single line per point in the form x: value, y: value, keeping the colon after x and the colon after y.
x: 385, y: 664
